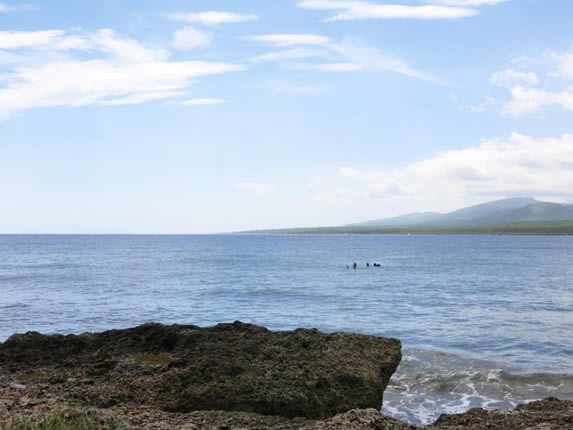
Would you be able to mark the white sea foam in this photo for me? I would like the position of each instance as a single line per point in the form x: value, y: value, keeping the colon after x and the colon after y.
x: 432, y: 383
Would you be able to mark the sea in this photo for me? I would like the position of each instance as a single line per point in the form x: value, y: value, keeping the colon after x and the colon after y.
x: 485, y: 321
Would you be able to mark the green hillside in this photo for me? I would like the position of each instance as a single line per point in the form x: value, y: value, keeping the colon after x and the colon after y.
x: 520, y: 215
x: 541, y: 228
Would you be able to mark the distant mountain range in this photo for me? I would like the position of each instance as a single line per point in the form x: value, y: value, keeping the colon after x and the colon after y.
x: 521, y: 215
x: 499, y: 212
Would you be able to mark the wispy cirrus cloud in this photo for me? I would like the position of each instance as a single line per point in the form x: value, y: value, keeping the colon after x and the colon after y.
x: 98, y: 68
x: 347, y: 55
x: 293, y: 39
x: 370, y: 58
x: 213, y: 18
x: 191, y: 37
x: 8, y: 8
x: 349, y: 10
x: 286, y: 55
x: 47, y: 39
x: 203, y: 102
x: 468, y: 3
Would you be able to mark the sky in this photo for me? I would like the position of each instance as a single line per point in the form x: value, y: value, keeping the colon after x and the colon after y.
x: 204, y: 116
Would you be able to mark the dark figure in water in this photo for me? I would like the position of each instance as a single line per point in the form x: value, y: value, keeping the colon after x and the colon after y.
x: 354, y: 266
x: 367, y: 264
x: 377, y: 265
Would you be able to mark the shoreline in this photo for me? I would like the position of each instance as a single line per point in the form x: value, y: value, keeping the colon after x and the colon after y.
x: 140, y: 377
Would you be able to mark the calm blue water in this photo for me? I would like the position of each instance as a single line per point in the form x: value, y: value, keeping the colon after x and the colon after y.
x: 484, y: 320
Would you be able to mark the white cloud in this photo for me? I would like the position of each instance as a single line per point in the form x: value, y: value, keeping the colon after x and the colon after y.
x: 370, y: 58
x: 468, y: 3
x: 144, y: 97
x: 519, y: 165
x: 126, y: 50
x: 347, y: 10
x: 347, y: 55
x: 286, y: 40
x: 529, y: 92
x: 189, y: 38
x: 6, y: 8
x: 257, y: 188
x: 212, y: 18
x: 81, y: 83
x: 46, y: 39
x: 564, y: 64
x: 287, y: 55
x: 111, y: 70
x: 203, y: 102
x: 507, y: 77
x: 531, y: 100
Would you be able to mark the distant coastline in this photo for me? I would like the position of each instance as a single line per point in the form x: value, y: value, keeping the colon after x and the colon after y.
x: 511, y: 216
x: 527, y: 228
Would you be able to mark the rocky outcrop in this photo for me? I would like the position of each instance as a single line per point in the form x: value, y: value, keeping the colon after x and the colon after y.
x: 228, y: 377
x: 548, y: 414
x: 229, y: 367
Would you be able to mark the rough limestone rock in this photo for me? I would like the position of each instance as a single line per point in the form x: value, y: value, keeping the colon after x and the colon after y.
x: 548, y: 414
x: 154, y: 377
x: 229, y: 367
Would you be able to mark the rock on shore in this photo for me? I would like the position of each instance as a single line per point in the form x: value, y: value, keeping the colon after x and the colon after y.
x: 229, y: 367
x: 548, y: 414
x: 228, y: 377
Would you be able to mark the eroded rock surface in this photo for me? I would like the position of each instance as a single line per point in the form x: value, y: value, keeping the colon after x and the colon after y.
x: 548, y: 414
x: 229, y: 377
x: 229, y: 367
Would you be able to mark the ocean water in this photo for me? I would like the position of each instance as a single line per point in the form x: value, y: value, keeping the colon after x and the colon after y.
x: 484, y: 320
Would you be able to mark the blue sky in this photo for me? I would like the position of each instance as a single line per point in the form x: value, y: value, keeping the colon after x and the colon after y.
x: 221, y: 115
